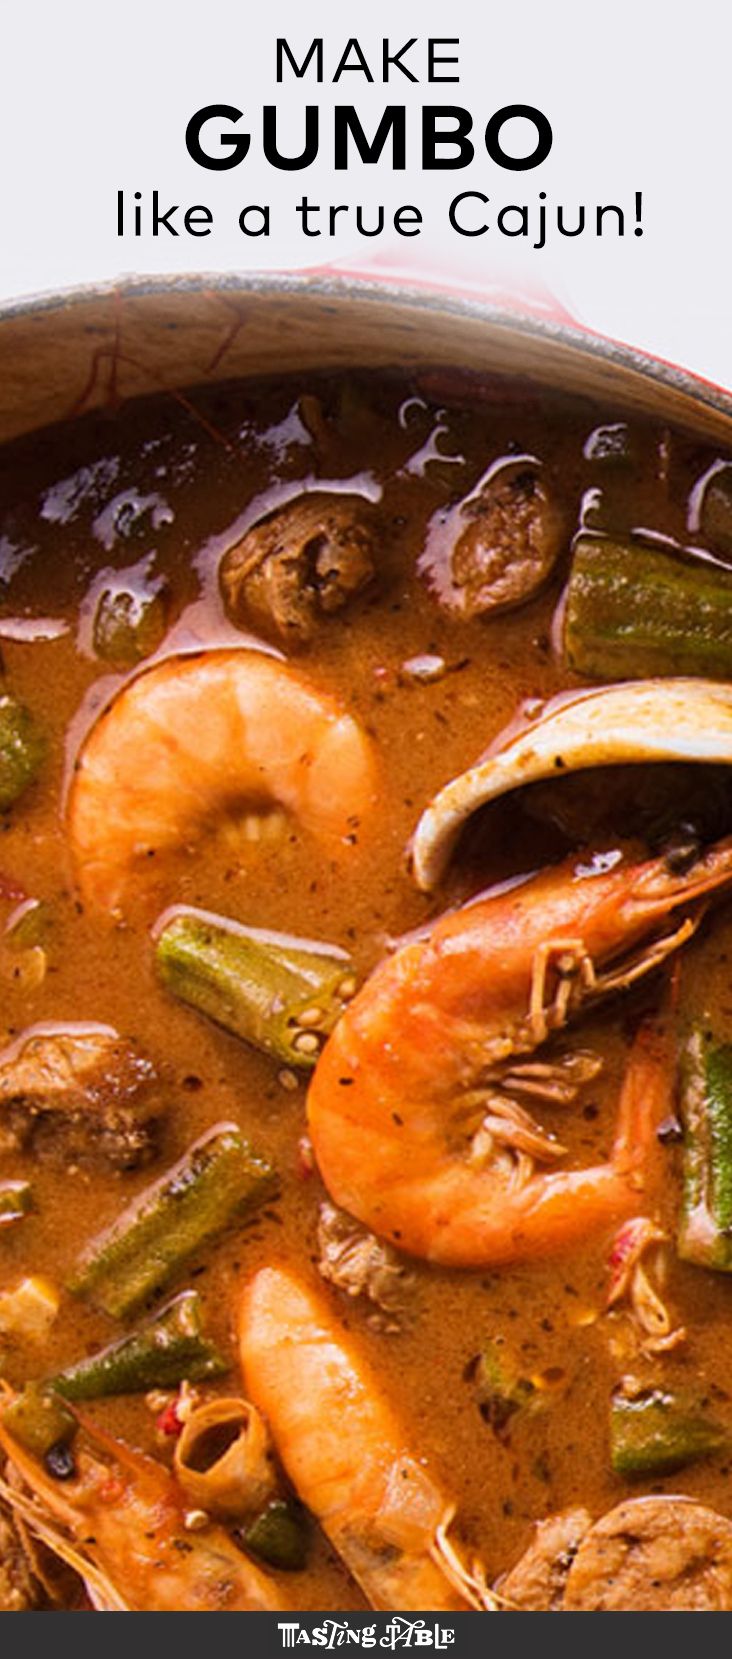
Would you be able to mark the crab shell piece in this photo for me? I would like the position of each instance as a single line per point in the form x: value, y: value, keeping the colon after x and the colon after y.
x: 637, y: 721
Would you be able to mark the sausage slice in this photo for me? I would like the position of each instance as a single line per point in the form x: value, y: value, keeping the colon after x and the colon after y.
x: 536, y: 1584
x: 497, y: 548
x: 664, y: 1554
x: 300, y: 564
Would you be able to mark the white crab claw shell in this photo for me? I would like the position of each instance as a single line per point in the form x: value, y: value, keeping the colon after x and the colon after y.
x: 614, y: 725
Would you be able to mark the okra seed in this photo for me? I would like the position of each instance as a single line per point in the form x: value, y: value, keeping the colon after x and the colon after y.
x: 311, y: 1016
x: 306, y: 1042
x: 287, y: 1079
x: 347, y: 988
x: 195, y: 1520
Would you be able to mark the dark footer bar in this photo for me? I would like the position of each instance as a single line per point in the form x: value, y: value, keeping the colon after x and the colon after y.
x: 267, y: 1635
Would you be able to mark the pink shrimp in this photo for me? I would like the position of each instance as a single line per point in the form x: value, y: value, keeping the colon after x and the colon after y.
x: 346, y: 1453
x: 414, y: 1105
x: 198, y: 740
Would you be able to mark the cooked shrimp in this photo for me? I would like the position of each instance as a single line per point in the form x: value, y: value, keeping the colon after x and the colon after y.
x: 120, y: 1522
x: 346, y: 1453
x: 413, y: 1106
x: 197, y: 740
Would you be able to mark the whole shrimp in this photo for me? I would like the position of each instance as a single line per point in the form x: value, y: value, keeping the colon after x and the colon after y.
x: 120, y: 1522
x: 346, y: 1453
x: 414, y: 1107
x: 198, y: 740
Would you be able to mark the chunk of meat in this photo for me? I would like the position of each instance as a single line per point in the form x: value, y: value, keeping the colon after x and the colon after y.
x: 537, y: 1582
x: 300, y: 564
x: 664, y: 1554
x: 79, y: 1095
x: 497, y: 548
x: 355, y: 1261
x: 510, y: 543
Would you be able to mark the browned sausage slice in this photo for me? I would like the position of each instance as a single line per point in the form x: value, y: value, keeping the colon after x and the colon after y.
x: 653, y: 1554
x: 536, y: 1584
x: 300, y: 564
x: 496, y: 549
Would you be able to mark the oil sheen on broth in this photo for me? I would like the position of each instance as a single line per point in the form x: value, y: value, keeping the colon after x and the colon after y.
x: 149, y: 500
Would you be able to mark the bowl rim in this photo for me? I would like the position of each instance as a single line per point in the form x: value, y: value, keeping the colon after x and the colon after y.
x: 517, y: 315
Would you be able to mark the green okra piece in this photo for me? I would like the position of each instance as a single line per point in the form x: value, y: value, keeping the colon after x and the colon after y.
x: 658, y: 1431
x: 38, y: 1419
x: 283, y: 995
x: 705, y: 1221
x: 29, y: 925
x: 15, y: 1201
x: 501, y: 1390
x: 635, y: 611
x: 217, y: 1182
x: 170, y: 1348
x: 22, y: 749
x: 279, y: 1536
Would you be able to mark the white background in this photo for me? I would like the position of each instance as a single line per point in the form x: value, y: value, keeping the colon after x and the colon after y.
x: 96, y: 98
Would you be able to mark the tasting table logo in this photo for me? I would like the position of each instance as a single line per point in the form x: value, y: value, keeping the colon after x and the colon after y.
x: 399, y: 1632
